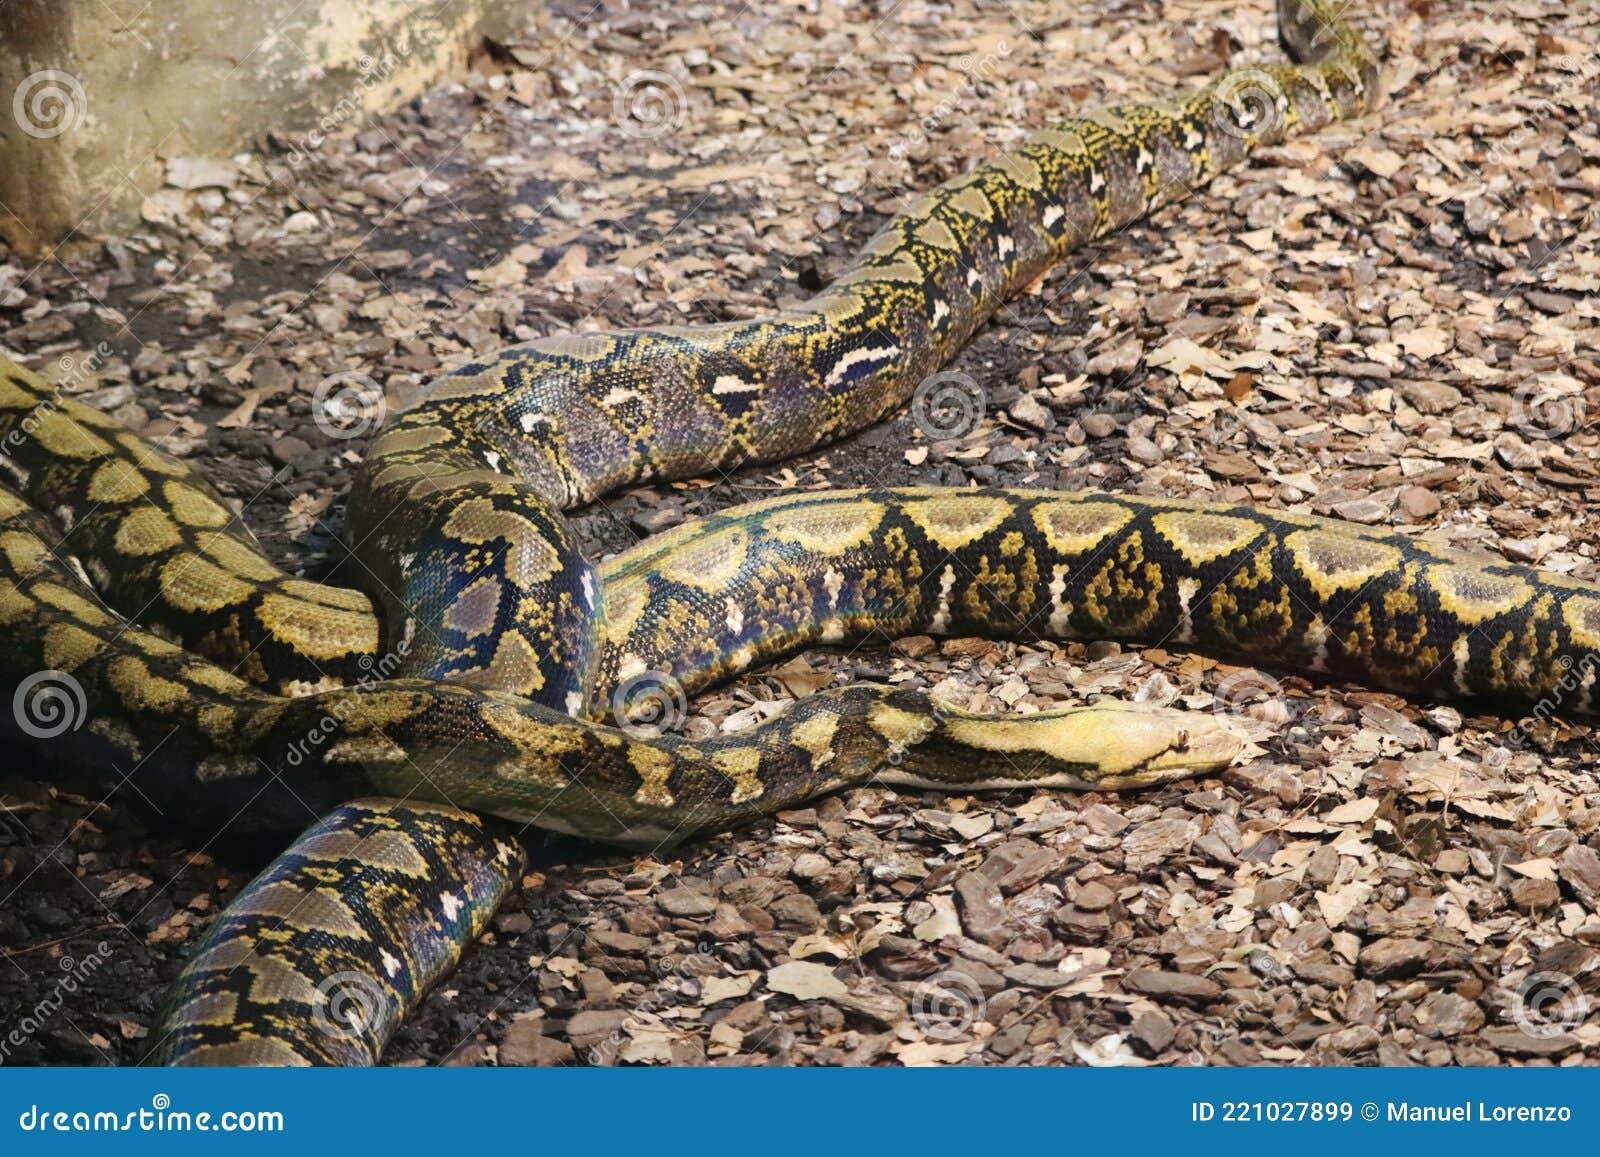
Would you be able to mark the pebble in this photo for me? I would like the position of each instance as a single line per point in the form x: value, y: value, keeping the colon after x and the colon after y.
x: 686, y: 902
x: 1177, y: 985
x: 1098, y: 425
x: 1393, y: 958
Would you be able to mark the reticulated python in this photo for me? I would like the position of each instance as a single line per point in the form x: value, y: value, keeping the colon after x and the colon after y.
x: 250, y: 695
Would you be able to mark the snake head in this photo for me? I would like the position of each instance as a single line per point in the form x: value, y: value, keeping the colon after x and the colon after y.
x: 1102, y: 747
x: 1146, y: 746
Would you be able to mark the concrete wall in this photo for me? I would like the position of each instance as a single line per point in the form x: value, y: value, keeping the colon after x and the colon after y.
x: 95, y: 93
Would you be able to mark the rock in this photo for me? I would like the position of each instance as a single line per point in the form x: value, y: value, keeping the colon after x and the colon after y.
x: 1393, y: 957
x: 809, y: 865
x: 914, y: 646
x: 1117, y: 361
x: 1157, y: 841
x: 755, y: 891
x: 983, y: 914
x: 1144, y: 451
x: 624, y: 942
x: 288, y: 449
x: 797, y: 913
x: 1358, y: 1038
x: 191, y: 173
x: 1443, y: 719
x: 1098, y: 425
x: 1516, y: 453
x: 1366, y: 510
x: 597, y: 988
x: 525, y: 1044
x: 1418, y: 503
x: 513, y: 923
x: 1430, y: 396
x: 1036, y: 976
x: 1172, y: 985
x: 654, y: 519
x: 1080, y: 926
x: 1028, y: 871
x: 1551, y: 303
x: 1535, y: 895
x: 1520, y: 1044
x: 1104, y: 821
x: 1029, y: 412
x: 1094, y: 896
x: 1154, y: 1031
x: 1580, y: 868
x: 686, y: 902
x: 1447, y: 1015
x: 593, y: 1026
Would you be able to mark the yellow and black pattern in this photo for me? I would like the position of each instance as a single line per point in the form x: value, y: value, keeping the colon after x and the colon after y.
x: 320, y: 959
x: 244, y: 693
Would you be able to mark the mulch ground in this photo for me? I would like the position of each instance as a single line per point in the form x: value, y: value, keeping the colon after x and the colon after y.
x: 1391, y: 322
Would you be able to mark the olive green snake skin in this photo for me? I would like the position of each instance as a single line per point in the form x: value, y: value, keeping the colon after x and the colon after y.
x: 246, y: 696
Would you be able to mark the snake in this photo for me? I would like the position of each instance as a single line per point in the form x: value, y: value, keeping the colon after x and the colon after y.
x: 485, y: 672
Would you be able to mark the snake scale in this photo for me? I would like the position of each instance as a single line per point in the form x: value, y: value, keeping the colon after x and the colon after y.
x: 230, y: 692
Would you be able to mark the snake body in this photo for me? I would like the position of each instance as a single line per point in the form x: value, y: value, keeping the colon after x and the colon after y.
x: 249, y: 695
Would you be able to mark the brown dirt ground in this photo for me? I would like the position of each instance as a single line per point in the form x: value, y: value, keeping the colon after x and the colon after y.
x: 1392, y: 322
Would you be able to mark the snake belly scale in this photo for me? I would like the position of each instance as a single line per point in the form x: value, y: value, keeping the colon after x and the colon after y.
x: 481, y: 681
